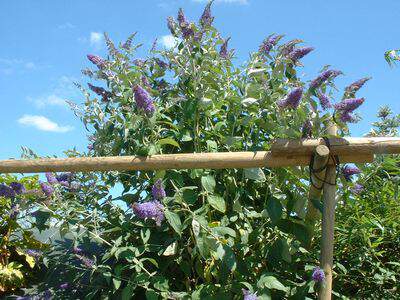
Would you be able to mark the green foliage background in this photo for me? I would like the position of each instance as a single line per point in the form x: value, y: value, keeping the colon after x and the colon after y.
x: 225, y: 230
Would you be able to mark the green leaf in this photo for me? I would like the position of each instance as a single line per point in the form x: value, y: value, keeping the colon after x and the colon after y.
x: 270, y: 282
x: 255, y: 174
x: 161, y: 283
x: 226, y: 255
x: 168, y: 141
x: 127, y: 292
x: 217, y: 202
x: 174, y: 220
x: 171, y: 249
x: 116, y: 283
x: 208, y: 183
x: 274, y: 209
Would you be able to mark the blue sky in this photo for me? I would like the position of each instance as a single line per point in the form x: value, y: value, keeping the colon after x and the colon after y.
x: 44, y: 46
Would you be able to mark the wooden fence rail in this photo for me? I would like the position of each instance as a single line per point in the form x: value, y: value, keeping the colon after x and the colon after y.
x: 284, y: 153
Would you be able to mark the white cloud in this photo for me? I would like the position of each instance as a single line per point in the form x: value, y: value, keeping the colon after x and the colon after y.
x: 51, y: 99
x: 225, y: 1
x: 9, y: 66
x: 96, y: 39
x: 168, y: 41
x: 42, y: 123
x: 67, y: 25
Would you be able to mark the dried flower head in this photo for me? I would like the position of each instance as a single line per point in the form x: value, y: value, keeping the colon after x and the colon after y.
x: 355, y: 86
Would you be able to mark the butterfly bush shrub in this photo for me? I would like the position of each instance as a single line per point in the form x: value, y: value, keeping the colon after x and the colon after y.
x: 180, y: 234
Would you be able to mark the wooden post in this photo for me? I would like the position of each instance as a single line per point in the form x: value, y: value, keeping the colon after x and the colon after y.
x: 328, y: 223
x: 321, y: 157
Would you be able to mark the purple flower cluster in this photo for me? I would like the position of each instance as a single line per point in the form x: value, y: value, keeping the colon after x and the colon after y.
x: 292, y: 100
x: 158, y: 191
x: 184, y: 25
x: 106, y: 95
x: 318, y: 275
x: 51, y: 178
x: 17, y: 187
x: 128, y: 43
x: 357, y: 188
x: 324, y: 76
x: 77, y: 250
x: 64, y: 286
x: 34, y: 253
x: 47, y: 189
x: 206, y: 18
x: 269, y: 43
x: 306, y: 130
x: 150, y: 210
x: 171, y: 24
x: 324, y: 101
x: 87, y: 262
x: 299, y: 53
x: 6, y: 191
x: 355, y: 86
x: 288, y: 47
x: 348, y: 171
x: 143, y: 100
x: 346, y: 108
x: 96, y: 60
x: 223, y: 52
x: 247, y: 295
x: 14, y: 211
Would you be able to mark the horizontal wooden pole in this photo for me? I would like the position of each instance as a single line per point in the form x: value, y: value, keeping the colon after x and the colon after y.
x: 339, y: 146
x: 218, y: 160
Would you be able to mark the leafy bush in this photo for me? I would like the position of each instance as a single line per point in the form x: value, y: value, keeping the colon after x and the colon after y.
x: 199, y: 234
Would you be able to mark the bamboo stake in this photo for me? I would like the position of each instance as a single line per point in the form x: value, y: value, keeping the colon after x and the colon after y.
x: 339, y: 146
x: 328, y: 223
x: 321, y: 157
x: 219, y: 160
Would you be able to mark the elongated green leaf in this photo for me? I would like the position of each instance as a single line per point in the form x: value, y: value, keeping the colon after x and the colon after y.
x: 174, y: 220
x: 217, y: 202
x: 168, y: 141
x: 208, y: 183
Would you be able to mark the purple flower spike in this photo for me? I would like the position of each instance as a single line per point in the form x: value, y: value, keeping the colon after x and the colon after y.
x: 87, y: 262
x: 349, y: 105
x: 77, y: 250
x: 269, y: 43
x: 149, y: 210
x: 143, y: 100
x: 349, y: 171
x: 357, y: 188
x: 17, y: 187
x: 347, y: 117
x: 318, y: 275
x: 299, y: 53
x: 181, y: 17
x: 206, y: 18
x: 249, y: 296
x: 158, y: 190
x: 6, y: 191
x: 324, y: 76
x: 355, y: 86
x: 224, y: 53
x: 51, y: 178
x: 292, y: 100
x: 64, y: 286
x: 14, y: 211
x: 171, y: 25
x: 47, y: 189
x: 64, y: 177
x: 324, y: 101
x: 106, y: 95
x: 96, y: 60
